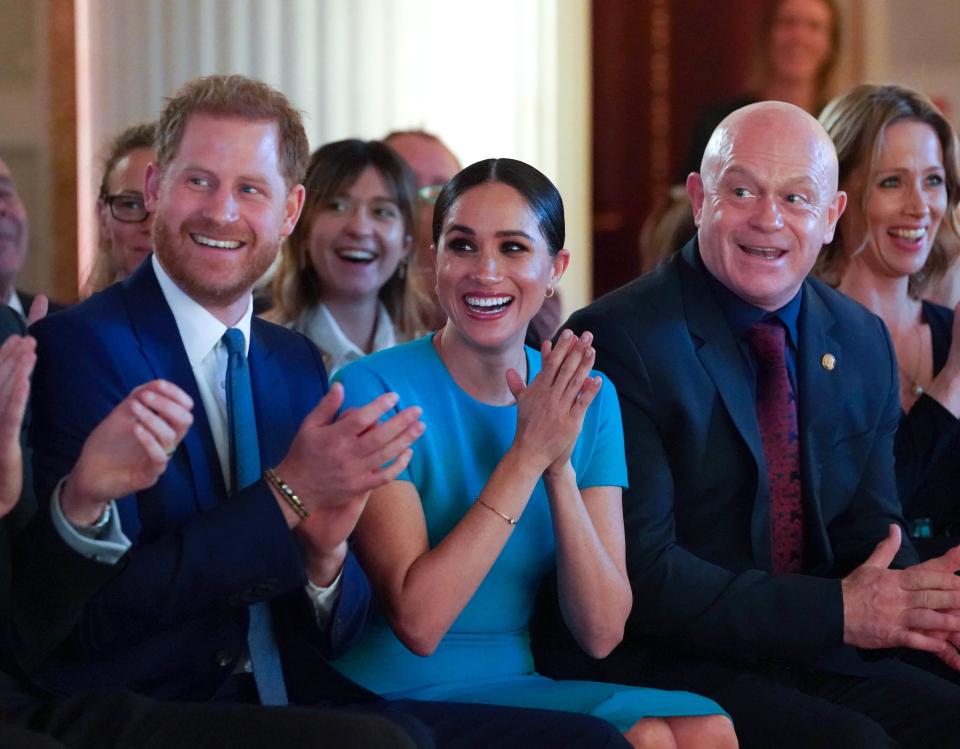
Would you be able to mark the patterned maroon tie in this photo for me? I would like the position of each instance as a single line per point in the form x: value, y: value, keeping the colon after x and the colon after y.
x: 777, y: 416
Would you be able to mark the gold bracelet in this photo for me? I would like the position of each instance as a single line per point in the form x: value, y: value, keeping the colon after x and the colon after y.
x: 512, y: 521
x: 286, y: 492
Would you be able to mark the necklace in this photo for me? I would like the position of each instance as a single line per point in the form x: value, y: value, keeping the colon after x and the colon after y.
x: 915, y: 388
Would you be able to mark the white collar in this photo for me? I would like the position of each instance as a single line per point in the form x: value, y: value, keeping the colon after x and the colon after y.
x: 16, y: 303
x: 199, y: 330
x: 320, y: 326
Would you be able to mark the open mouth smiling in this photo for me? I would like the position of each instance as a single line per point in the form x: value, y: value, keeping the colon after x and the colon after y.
x: 217, y: 244
x: 356, y: 255
x: 764, y: 253
x: 487, y: 305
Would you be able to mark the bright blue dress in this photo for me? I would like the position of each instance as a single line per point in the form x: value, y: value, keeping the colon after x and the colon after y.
x: 486, y: 657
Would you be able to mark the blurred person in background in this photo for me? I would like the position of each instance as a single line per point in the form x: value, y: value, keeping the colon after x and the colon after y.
x: 124, y: 222
x: 14, y: 240
x: 797, y: 51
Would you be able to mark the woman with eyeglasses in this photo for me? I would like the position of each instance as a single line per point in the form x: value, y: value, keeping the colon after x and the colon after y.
x: 342, y: 280
x: 125, y: 224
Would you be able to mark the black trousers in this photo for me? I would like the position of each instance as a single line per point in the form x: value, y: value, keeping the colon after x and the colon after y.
x: 122, y: 720
x: 780, y: 707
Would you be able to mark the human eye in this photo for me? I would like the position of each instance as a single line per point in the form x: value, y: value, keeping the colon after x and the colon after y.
x: 796, y: 198
x: 130, y: 202
x: 742, y: 192
x: 385, y: 211
x: 250, y: 189
x: 198, y: 181
x: 459, y: 244
x: 338, y: 205
x: 512, y: 248
x: 935, y: 180
x: 890, y: 182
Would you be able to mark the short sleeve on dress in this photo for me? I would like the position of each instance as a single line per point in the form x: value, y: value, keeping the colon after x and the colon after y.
x: 361, y: 384
x: 599, y: 457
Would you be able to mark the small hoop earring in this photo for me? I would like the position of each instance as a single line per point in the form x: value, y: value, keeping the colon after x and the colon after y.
x: 549, y: 292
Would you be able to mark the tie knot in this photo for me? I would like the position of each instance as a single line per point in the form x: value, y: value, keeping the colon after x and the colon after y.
x: 767, y: 339
x: 234, y: 341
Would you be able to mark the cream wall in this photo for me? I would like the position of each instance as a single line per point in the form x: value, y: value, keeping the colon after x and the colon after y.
x: 914, y: 43
x: 498, y: 78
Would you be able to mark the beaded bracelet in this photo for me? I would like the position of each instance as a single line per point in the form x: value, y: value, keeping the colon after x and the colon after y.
x: 286, y: 492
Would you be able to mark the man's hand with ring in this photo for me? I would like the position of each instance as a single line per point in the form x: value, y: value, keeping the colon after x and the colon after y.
x: 128, y: 451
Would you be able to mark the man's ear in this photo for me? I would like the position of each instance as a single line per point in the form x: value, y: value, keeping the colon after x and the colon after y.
x: 834, y: 212
x: 292, y: 208
x: 151, y: 186
x: 696, y: 194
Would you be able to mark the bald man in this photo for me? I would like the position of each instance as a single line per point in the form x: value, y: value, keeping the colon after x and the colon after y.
x: 762, y: 526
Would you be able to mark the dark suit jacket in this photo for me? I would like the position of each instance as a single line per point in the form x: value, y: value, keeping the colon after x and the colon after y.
x: 697, y: 512
x: 173, y: 623
x: 43, y: 582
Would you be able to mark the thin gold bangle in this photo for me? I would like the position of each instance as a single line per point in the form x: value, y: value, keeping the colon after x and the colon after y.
x: 512, y: 521
x: 286, y: 492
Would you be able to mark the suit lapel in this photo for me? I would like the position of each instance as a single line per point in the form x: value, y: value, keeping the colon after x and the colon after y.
x: 721, y: 358
x: 819, y: 387
x: 156, y: 330
x: 270, y: 398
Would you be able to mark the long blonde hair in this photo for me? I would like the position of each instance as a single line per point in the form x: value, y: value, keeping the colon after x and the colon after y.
x: 856, y: 122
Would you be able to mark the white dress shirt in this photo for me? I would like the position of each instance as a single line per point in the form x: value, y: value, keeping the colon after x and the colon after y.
x: 319, y: 325
x: 15, y: 302
x: 201, y: 334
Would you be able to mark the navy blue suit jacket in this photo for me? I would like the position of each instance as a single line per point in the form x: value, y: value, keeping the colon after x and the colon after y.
x: 172, y: 624
x: 697, y: 512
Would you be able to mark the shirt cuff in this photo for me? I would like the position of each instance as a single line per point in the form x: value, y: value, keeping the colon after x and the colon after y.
x: 324, y: 599
x: 107, y: 544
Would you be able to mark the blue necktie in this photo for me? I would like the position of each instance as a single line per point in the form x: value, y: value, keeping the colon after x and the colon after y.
x: 245, y: 470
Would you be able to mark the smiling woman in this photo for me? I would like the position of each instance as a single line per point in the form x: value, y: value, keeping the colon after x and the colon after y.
x: 124, y: 222
x: 519, y: 474
x: 898, y: 162
x: 342, y: 279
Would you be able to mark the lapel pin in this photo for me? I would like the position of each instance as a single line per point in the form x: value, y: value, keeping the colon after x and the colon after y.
x: 828, y: 361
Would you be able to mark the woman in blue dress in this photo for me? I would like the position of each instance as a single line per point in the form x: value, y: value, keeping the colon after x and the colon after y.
x: 520, y: 471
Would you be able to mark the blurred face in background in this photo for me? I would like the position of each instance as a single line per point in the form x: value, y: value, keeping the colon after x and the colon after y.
x: 14, y: 229
x: 125, y: 224
x: 433, y: 165
x: 800, y: 40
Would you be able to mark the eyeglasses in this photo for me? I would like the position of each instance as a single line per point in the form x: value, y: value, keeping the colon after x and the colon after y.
x: 428, y: 193
x: 127, y: 207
